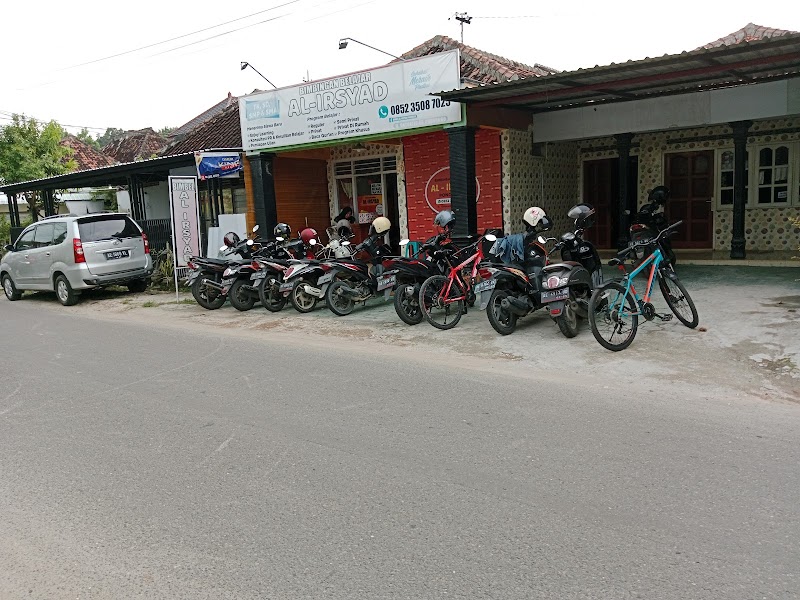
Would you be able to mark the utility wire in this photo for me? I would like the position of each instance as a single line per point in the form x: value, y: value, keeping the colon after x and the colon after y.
x: 97, y: 60
x: 510, y: 17
x: 8, y: 116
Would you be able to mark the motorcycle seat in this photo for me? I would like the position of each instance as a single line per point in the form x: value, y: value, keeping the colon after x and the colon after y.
x: 560, y: 266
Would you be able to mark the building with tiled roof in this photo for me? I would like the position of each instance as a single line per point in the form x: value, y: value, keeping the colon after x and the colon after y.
x: 220, y: 131
x: 477, y: 66
x: 86, y: 156
x: 179, y: 132
x: 749, y: 33
x: 136, y: 145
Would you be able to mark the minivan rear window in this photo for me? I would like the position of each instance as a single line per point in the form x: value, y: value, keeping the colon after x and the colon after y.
x: 107, y: 227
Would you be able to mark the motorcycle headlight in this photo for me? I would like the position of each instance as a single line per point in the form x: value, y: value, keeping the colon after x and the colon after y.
x: 227, y: 272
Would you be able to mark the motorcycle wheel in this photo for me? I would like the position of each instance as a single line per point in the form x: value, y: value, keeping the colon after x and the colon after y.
x: 339, y: 304
x: 436, y: 312
x: 504, y: 322
x: 301, y: 301
x: 268, y: 293
x: 241, y: 299
x: 202, y: 296
x: 406, y: 304
x: 568, y: 319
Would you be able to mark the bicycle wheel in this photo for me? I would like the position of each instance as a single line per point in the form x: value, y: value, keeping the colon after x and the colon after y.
x: 678, y: 299
x: 612, y: 317
x: 440, y: 314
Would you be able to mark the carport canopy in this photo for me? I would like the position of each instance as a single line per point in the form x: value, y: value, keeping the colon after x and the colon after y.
x: 698, y: 70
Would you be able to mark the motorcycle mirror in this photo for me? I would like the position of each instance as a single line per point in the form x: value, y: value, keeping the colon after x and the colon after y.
x: 404, y: 242
x: 278, y: 239
x: 491, y: 237
x: 312, y: 242
x: 249, y: 242
x: 541, y: 239
x: 255, y: 228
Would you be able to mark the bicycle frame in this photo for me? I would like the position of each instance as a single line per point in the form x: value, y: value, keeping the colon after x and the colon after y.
x: 655, y: 259
x: 454, y: 272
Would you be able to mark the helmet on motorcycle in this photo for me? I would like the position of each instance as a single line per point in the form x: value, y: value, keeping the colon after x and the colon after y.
x: 308, y: 234
x: 446, y: 220
x: 536, y: 219
x: 583, y: 215
x: 380, y: 226
x: 659, y: 195
x: 231, y: 239
x: 283, y: 230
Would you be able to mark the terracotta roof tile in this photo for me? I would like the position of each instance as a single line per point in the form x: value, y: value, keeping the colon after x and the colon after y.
x: 748, y: 33
x: 220, y: 131
x: 86, y: 156
x: 477, y: 66
x: 136, y: 145
x: 203, y: 117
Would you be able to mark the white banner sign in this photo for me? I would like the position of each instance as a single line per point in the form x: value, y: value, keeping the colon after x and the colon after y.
x: 185, y: 211
x: 388, y: 99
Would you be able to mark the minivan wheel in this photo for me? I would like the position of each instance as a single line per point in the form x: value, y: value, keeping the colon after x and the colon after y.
x: 10, y: 290
x: 64, y: 292
x: 138, y: 286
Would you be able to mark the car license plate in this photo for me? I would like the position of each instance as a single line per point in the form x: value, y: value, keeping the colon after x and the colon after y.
x: 486, y: 285
x: 258, y: 275
x: 555, y: 295
x: 114, y: 254
x: 386, y: 282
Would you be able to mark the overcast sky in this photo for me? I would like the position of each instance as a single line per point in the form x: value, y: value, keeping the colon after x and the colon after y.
x: 157, y: 83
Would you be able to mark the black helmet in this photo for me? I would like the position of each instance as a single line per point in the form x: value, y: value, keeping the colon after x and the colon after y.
x: 582, y: 214
x: 283, y: 230
x: 231, y: 240
x: 659, y: 195
x: 445, y: 219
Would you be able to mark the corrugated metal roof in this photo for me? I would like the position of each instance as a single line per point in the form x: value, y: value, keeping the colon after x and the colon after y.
x: 703, y: 69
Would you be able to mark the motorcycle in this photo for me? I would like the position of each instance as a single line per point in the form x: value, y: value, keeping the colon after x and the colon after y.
x: 206, y: 273
x: 354, y: 281
x: 410, y: 272
x: 648, y: 222
x: 270, y: 271
x: 564, y: 289
x: 301, y: 281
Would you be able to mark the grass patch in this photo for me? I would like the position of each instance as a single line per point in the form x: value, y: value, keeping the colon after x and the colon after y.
x: 150, y: 304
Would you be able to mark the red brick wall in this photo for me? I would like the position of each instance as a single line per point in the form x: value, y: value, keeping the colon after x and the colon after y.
x: 426, y: 154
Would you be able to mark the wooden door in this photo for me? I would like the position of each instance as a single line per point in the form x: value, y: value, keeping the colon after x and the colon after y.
x: 301, y: 194
x: 690, y: 179
x: 599, y: 190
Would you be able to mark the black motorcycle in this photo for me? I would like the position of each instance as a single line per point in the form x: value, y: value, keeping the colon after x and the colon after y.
x: 272, y: 266
x: 355, y: 281
x: 648, y: 223
x: 405, y: 275
x: 206, y: 274
x: 510, y: 291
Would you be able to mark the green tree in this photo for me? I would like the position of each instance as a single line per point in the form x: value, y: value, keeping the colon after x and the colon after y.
x: 111, y: 134
x: 32, y: 150
x: 165, y: 131
x: 87, y: 138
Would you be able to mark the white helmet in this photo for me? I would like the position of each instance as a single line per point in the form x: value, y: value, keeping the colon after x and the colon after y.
x: 533, y: 215
x: 381, y: 225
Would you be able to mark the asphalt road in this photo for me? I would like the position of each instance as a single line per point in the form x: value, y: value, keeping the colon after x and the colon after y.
x: 142, y: 460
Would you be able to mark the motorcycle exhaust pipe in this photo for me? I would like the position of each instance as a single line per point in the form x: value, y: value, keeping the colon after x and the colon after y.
x: 516, y: 306
x: 312, y: 291
x: 213, y: 285
x: 348, y: 291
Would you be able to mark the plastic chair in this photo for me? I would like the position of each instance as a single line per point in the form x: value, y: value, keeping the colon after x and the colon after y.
x: 411, y: 248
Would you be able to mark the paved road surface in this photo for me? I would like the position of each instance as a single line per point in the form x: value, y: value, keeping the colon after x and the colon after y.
x: 141, y: 460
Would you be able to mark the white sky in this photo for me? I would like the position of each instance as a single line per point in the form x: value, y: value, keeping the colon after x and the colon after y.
x: 167, y: 84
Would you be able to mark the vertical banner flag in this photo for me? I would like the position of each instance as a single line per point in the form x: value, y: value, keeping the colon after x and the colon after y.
x: 185, y: 210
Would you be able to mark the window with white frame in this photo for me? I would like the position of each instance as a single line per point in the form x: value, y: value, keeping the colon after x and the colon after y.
x: 775, y: 180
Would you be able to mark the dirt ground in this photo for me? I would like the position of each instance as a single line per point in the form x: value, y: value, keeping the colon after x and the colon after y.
x: 747, y: 343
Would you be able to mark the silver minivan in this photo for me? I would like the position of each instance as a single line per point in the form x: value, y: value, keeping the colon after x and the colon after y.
x: 69, y: 253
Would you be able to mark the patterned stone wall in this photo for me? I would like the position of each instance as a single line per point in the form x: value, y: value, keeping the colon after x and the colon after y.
x: 766, y: 229
x: 550, y: 181
x: 349, y: 152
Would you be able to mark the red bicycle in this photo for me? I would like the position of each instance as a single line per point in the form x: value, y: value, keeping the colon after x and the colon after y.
x: 442, y: 297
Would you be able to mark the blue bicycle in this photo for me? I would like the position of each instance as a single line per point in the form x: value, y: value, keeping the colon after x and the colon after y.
x: 615, y: 307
